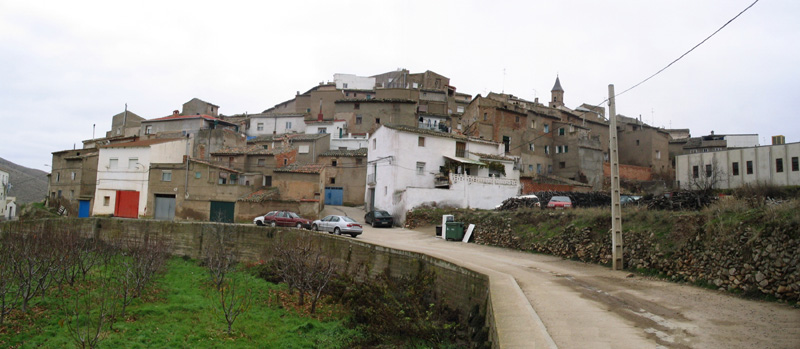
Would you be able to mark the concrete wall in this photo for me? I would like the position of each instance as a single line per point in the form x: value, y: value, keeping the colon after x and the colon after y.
x: 350, y: 174
x: 278, y: 124
x: 764, y: 160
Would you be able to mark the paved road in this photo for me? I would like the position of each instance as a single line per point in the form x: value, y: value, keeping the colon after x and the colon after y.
x: 560, y: 303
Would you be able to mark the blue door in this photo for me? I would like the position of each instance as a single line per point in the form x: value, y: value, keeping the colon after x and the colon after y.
x: 83, y: 208
x: 334, y: 196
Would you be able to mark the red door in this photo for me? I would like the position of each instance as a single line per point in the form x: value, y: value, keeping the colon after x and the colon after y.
x: 127, y: 205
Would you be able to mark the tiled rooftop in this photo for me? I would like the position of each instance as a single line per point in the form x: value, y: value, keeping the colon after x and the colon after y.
x: 345, y: 153
x: 301, y: 168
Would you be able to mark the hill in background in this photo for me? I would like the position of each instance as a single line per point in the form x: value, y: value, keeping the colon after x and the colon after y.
x: 27, y: 184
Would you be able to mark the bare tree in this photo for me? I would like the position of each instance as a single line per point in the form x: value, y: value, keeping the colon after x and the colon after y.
x: 220, y: 259
x: 706, y: 176
x: 234, y: 300
x: 9, y: 294
x: 87, y: 309
x: 304, y: 267
x: 32, y: 263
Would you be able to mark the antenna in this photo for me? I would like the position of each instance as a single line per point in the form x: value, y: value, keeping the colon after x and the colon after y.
x: 504, y: 80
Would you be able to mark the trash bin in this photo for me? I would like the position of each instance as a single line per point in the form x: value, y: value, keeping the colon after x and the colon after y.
x: 438, y: 230
x: 454, y: 231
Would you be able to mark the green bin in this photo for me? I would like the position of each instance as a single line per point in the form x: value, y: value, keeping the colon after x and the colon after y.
x: 454, y: 231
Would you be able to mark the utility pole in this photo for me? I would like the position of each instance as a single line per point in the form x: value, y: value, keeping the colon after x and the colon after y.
x: 616, y: 211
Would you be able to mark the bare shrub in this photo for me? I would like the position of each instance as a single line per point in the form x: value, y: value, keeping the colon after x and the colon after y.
x: 135, y: 267
x: 234, y: 299
x: 219, y: 259
x: 304, y: 267
x: 87, y: 309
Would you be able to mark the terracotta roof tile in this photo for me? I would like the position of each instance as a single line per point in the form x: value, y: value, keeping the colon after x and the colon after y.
x: 252, y: 149
x: 142, y: 143
x: 346, y: 153
x: 301, y: 168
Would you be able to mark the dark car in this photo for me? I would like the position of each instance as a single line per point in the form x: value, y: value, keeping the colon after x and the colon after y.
x: 379, y: 218
x: 285, y: 219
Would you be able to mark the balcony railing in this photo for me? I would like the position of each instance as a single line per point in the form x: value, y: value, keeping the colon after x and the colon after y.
x: 371, y: 179
x: 455, y: 178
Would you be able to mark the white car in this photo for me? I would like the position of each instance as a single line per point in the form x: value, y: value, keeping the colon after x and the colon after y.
x: 338, y: 225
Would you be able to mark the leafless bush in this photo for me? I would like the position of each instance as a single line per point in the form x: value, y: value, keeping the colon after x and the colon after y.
x: 303, y: 267
x: 31, y: 261
x: 9, y: 295
x: 135, y: 267
x: 220, y: 259
x: 234, y: 299
x: 87, y: 309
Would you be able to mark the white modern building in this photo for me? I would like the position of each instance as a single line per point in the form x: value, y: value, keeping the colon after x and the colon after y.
x: 353, y: 82
x: 340, y: 138
x: 4, y: 182
x: 269, y: 124
x: 123, y: 172
x: 733, y: 168
x: 408, y: 167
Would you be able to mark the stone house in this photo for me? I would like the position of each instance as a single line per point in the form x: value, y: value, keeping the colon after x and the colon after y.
x: 199, y: 107
x: 73, y: 179
x: 272, y: 124
x: 308, y: 146
x: 177, y: 125
x: 125, y: 124
x: 256, y: 162
x: 345, y: 175
x: 643, y: 145
x: 366, y: 115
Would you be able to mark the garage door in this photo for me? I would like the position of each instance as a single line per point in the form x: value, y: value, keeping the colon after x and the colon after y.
x: 334, y: 196
x: 222, y: 211
x: 127, y: 204
x: 165, y: 207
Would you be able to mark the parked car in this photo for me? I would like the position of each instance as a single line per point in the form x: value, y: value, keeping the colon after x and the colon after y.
x: 338, y: 225
x: 259, y: 220
x: 559, y: 202
x: 283, y: 219
x: 378, y: 217
x: 628, y: 199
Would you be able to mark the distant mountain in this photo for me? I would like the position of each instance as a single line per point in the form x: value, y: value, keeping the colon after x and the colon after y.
x: 27, y: 184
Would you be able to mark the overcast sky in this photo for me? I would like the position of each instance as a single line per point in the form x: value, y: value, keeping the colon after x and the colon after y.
x: 66, y: 65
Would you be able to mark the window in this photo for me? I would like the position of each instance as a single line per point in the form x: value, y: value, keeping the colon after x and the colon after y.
x: 334, y: 162
x: 695, y: 172
x: 549, y: 169
x: 735, y: 168
x: 420, y: 168
x: 485, y: 116
x: 285, y: 161
x: 374, y: 143
x: 517, y: 120
x: 166, y: 176
x: 322, y: 130
x: 531, y: 147
x: 132, y: 163
x: 303, y: 149
x: 261, y: 162
x: 288, y: 125
x: 59, y: 193
x: 266, y: 146
x: 148, y: 129
x: 333, y: 180
x: 356, y: 106
x: 658, y: 154
x: 344, y: 85
x: 359, y: 161
x: 421, y: 141
x: 358, y: 119
x: 72, y: 176
x: 106, y: 200
x: 558, y: 149
x: 530, y: 168
x: 708, y: 171
x: 369, y: 97
x: 112, y: 163
x: 795, y: 164
x: 546, y: 128
x: 197, y: 175
x: 533, y: 123
x: 779, y: 165
x: 507, y: 143
x: 58, y: 177
x: 749, y: 167
x: 460, y: 109
x: 538, y: 168
x: 267, y: 182
x: 562, y: 165
x: 637, y: 142
x: 71, y: 194
x: 308, y: 110
x: 260, y: 126
x: 547, y: 149
x: 377, y: 120
x: 561, y: 131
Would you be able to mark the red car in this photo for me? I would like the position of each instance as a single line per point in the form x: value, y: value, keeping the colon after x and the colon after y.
x: 285, y: 219
x: 559, y: 203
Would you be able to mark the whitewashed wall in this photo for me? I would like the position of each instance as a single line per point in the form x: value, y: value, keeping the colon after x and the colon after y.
x: 764, y: 166
x: 353, y: 82
x: 276, y: 124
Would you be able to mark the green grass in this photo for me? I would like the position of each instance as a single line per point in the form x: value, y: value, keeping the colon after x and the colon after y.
x: 180, y: 312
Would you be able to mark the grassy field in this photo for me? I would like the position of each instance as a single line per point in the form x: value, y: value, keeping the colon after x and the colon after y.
x: 180, y: 311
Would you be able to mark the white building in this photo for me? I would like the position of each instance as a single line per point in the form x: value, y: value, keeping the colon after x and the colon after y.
x: 340, y: 139
x: 733, y: 168
x: 408, y: 167
x: 4, y: 182
x: 353, y: 82
x: 10, y: 208
x: 123, y: 172
x: 269, y: 124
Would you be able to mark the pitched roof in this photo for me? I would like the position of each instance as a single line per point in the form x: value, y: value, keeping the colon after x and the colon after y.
x: 214, y: 165
x: 346, y: 153
x: 301, y: 168
x: 376, y: 100
x: 557, y: 86
x: 437, y: 133
x: 260, y: 195
x: 292, y: 137
x: 198, y: 99
x: 182, y: 117
x: 142, y: 143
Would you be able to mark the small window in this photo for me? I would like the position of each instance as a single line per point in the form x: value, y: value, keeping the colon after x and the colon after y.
x: 267, y: 181
x: 658, y: 154
x: 561, y: 131
x: 533, y: 123
x: 558, y: 149
x: 779, y: 165
x: 735, y: 168
x: 72, y: 176
x: 421, y: 141
x: 261, y: 162
x: 285, y: 161
x: 547, y: 149
x: 148, y: 129
x: 359, y: 161
x: 420, y: 168
x: 695, y: 172
x: 132, y: 163
x: 197, y: 175
x: 374, y: 144
x: 460, y: 109
x: 265, y: 146
x: 58, y: 177
x: 288, y: 125
x: 795, y: 164
x: 517, y: 120
x: 485, y: 116
x: 709, y: 171
x: 333, y: 180
x: 106, y: 200
x: 322, y: 130
x: 546, y: 128
x: 334, y: 162
x: 113, y: 163
x: 356, y: 106
x: 166, y: 176
x: 358, y: 119
x: 377, y: 120
x: 260, y: 126
x: 530, y: 168
x: 344, y: 85
x: 749, y: 165
x: 566, y: 148
x: 637, y: 142
x: 308, y: 110
x: 531, y: 147
x: 538, y: 168
x: 303, y: 149
x: 562, y: 165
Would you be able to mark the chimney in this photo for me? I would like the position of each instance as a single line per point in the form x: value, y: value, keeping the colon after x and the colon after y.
x: 175, y: 113
x: 319, y: 116
x: 778, y: 140
x: 712, y: 132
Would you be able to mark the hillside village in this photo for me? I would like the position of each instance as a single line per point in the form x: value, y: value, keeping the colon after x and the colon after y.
x: 391, y: 141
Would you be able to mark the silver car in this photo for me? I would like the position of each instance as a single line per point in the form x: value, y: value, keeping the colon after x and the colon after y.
x: 338, y: 225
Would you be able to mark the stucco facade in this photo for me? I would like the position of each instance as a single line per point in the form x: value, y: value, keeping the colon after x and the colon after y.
x: 269, y: 124
x: 365, y: 116
x: 73, y: 178
x: 346, y: 169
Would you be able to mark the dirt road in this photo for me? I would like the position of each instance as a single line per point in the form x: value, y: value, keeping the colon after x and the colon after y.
x: 588, y: 306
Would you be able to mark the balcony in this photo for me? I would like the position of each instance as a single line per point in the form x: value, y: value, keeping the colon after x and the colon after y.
x: 457, y: 178
x: 371, y: 179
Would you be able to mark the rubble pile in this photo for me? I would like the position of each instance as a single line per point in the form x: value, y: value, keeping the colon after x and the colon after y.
x: 679, y: 201
x: 591, y: 199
